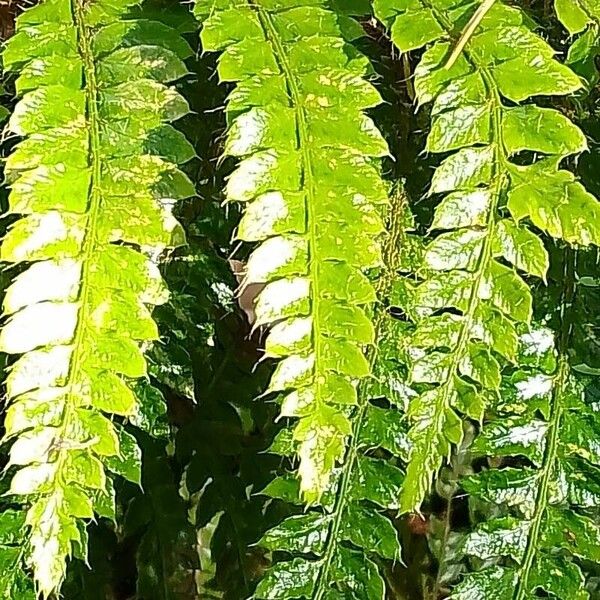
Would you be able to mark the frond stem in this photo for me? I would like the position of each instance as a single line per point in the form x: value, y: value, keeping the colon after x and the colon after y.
x: 307, y: 176
x: 89, y: 240
x: 391, y: 248
x: 556, y: 413
x: 499, y: 182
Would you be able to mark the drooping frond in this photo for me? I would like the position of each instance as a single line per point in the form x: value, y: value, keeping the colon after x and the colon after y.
x: 501, y: 176
x: 544, y: 435
x: 335, y: 547
x: 92, y: 181
x: 311, y: 191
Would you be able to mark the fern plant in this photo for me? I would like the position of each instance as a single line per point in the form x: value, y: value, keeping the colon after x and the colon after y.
x: 432, y: 349
x: 503, y: 172
x: 311, y: 192
x: 92, y: 181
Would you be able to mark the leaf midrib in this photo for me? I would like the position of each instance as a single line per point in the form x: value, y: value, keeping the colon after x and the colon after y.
x: 90, y: 242
x: 500, y: 160
x: 307, y: 183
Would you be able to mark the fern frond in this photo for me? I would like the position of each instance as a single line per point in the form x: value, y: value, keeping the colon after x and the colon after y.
x: 337, y: 546
x: 92, y: 181
x: 582, y: 17
x: 540, y: 534
x: 311, y: 190
x: 14, y: 582
x: 502, y: 172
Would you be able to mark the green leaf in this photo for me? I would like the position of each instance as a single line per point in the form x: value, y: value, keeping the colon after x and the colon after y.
x: 293, y: 579
x: 534, y: 187
x: 367, y: 529
x: 14, y: 583
x: 542, y: 130
x: 415, y: 28
x: 302, y: 534
x: 576, y: 15
x: 493, y: 582
x: 467, y: 305
x: 519, y: 246
x: 166, y: 556
x: 357, y: 575
x: 92, y: 181
x: 128, y: 462
x: 584, y: 52
x: 311, y: 190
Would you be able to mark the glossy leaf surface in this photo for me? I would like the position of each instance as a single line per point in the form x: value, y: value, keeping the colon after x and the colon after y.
x: 544, y: 436
x: 312, y: 193
x: 92, y: 181
x: 500, y: 175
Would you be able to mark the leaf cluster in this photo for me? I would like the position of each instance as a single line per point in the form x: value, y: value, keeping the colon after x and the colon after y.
x: 299, y: 300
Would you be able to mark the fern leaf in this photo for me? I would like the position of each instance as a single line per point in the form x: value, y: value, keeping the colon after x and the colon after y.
x: 311, y: 190
x: 347, y: 533
x: 582, y: 17
x: 91, y: 180
x: 502, y: 174
x: 14, y: 583
x: 540, y: 525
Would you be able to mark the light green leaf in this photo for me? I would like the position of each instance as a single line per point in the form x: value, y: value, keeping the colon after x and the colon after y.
x: 312, y: 193
x: 521, y: 247
x: 541, y: 130
x: 92, y: 109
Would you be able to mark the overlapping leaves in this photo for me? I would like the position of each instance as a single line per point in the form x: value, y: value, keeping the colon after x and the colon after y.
x: 92, y: 180
x: 582, y: 19
x: 14, y: 583
x: 333, y: 549
x: 501, y: 177
x: 311, y: 192
x: 338, y: 545
x: 166, y: 557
